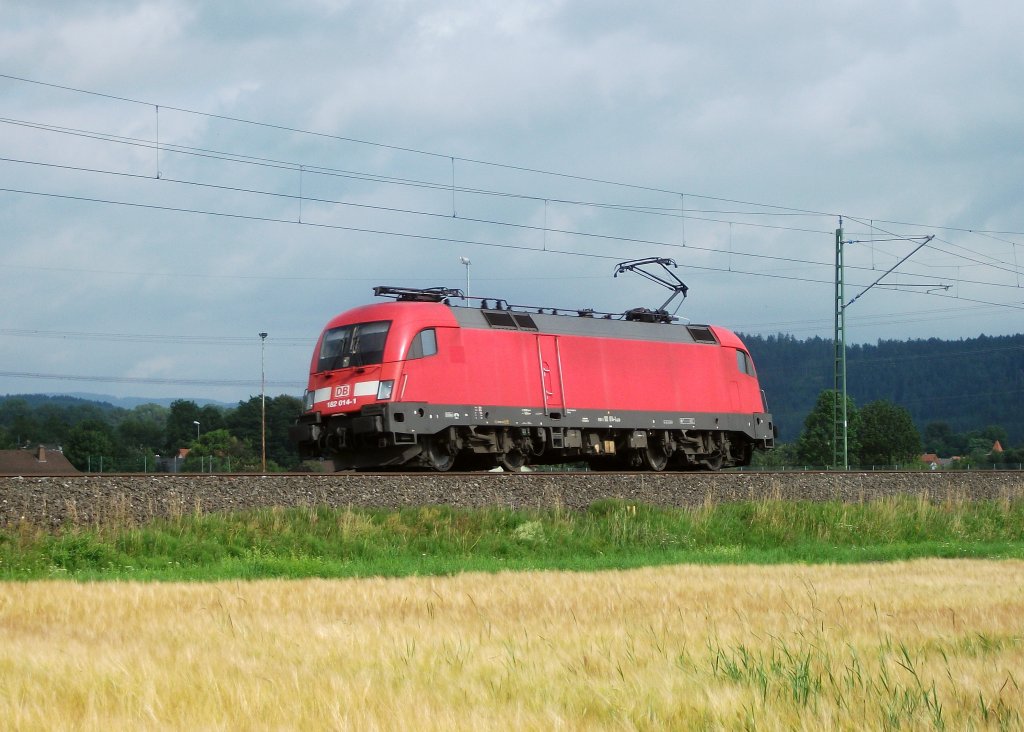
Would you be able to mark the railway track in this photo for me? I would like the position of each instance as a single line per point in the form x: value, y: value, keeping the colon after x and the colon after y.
x: 54, y: 501
x: 966, y: 475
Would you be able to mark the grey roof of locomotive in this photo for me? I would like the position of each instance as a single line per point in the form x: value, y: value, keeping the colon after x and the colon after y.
x: 595, y: 327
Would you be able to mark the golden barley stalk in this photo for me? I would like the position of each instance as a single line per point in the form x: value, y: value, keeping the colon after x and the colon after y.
x: 905, y: 645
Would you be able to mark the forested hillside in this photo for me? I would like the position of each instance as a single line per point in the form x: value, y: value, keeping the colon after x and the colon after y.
x: 99, y: 435
x: 970, y: 384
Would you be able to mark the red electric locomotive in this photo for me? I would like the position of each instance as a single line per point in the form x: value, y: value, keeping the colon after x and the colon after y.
x: 421, y: 382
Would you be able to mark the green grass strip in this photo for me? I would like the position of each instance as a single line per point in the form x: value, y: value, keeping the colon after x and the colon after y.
x: 439, y: 540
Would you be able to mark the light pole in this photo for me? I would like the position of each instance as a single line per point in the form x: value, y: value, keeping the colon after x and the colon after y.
x: 263, y: 403
x: 465, y: 261
x: 196, y: 423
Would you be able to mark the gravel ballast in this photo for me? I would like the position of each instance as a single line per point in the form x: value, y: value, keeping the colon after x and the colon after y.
x: 53, y: 502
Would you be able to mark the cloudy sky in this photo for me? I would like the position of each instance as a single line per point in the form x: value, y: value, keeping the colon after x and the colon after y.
x: 180, y: 176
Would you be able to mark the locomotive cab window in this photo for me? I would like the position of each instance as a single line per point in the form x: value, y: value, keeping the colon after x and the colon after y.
x: 346, y: 346
x: 424, y: 344
x: 743, y: 363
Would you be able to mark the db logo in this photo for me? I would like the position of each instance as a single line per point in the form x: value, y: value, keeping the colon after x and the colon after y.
x: 340, y: 392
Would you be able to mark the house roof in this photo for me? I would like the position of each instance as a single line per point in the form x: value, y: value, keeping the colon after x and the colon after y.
x: 37, y: 461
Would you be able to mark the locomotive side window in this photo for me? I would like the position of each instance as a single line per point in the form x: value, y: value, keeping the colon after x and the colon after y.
x: 361, y: 344
x: 743, y: 363
x: 424, y: 344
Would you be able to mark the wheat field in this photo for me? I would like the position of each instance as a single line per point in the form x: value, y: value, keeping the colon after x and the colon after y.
x: 921, y: 645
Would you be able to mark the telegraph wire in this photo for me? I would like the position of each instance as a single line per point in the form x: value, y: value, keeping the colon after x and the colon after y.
x: 961, y: 396
x: 959, y: 229
x: 409, y: 235
x: 269, y: 162
x: 153, y: 380
x: 433, y: 214
x: 866, y: 321
x: 945, y: 355
x: 416, y: 212
x: 817, y: 324
x: 437, y: 238
x: 957, y: 256
x: 959, y: 246
x: 1009, y: 269
x: 150, y: 338
x: 490, y: 222
x: 518, y: 247
x: 359, y: 175
x: 519, y: 168
x: 239, y: 158
x: 312, y: 278
x: 270, y: 219
x: 227, y: 118
x: 399, y: 148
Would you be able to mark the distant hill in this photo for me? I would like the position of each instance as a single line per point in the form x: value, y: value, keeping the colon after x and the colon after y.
x: 970, y: 384
x: 63, y: 400
x: 105, y: 401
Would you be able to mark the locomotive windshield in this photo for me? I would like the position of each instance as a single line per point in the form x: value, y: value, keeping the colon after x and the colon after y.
x: 361, y: 344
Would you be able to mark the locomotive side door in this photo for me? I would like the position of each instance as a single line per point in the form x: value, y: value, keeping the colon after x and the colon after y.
x: 550, y: 363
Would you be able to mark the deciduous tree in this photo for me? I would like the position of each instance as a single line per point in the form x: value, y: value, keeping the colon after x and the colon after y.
x: 816, y: 443
x: 90, y: 444
x: 887, y: 435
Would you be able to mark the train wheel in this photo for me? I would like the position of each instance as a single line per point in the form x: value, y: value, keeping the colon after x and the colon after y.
x: 513, y: 461
x: 438, y: 456
x: 656, y: 454
x: 654, y: 458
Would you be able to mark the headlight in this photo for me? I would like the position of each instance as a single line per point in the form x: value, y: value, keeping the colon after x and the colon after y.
x: 384, y: 389
x: 307, y: 401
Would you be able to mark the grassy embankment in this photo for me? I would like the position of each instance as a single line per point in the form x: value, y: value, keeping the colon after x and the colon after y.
x: 322, y: 542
